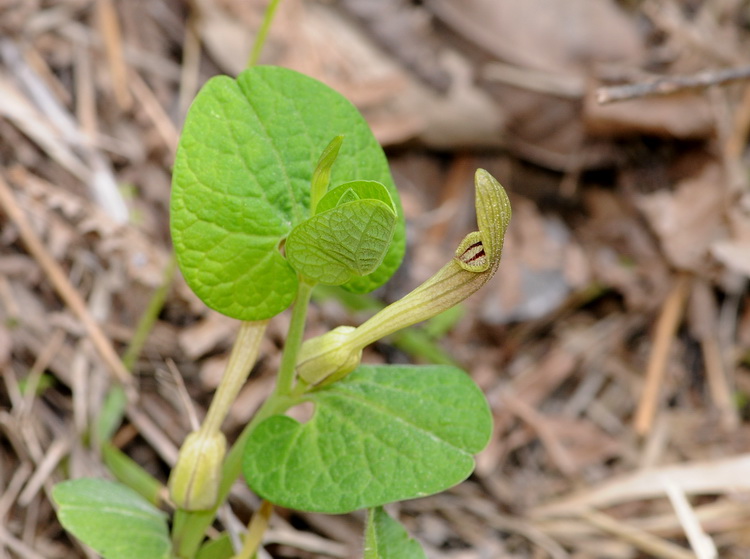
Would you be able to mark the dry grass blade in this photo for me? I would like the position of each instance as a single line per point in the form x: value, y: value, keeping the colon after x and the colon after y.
x: 63, y: 286
x: 655, y: 547
x: 110, y: 32
x: 701, y: 543
x: 727, y: 475
x: 665, y: 331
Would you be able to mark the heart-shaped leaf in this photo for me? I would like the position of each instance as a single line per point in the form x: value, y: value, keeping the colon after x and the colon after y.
x: 348, y: 240
x: 382, y: 434
x: 385, y: 538
x: 112, y: 518
x: 242, y: 178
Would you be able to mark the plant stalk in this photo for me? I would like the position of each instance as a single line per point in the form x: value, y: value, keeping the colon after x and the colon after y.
x: 255, y: 531
x: 294, y: 340
x: 243, y: 357
x: 265, y: 27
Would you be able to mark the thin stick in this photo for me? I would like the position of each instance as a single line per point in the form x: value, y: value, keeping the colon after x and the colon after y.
x: 61, y: 284
x: 718, y: 383
x: 109, y: 27
x: 560, y: 456
x: 164, y: 125
x: 702, y: 544
x: 671, y: 84
x: 654, y: 546
x: 184, y: 395
x: 190, y: 67
x: 666, y: 328
x: 255, y: 531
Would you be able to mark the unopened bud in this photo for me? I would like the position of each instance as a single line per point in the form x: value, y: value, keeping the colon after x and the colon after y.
x: 194, y: 482
x: 329, y: 357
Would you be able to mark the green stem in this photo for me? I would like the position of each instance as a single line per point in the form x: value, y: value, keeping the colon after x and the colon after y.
x: 293, y: 341
x: 243, y: 357
x: 260, y: 38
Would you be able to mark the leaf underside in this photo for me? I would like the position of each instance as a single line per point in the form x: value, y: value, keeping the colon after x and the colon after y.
x: 112, y: 519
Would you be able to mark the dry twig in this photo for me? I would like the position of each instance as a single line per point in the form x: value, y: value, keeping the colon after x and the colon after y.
x: 671, y: 84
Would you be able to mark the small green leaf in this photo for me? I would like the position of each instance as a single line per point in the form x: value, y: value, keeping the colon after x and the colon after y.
x: 355, y: 190
x: 112, y: 519
x: 220, y: 548
x: 111, y: 414
x: 381, y: 434
x: 242, y: 179
x: 349, y: 240
x: 385, y: 538
x: 348, y: 196
x: 132, y: 474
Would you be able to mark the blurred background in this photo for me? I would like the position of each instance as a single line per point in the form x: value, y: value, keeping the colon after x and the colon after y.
x: 613, y: 344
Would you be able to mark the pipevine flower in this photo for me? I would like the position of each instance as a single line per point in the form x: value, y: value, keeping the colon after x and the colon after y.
x: 335, y: 354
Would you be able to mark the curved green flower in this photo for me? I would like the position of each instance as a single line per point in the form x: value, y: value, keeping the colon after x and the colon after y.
x: 335, y: 354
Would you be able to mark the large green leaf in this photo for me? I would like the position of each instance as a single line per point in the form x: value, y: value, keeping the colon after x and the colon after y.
x: 242, y: 178
x: 382, y: 434
x: 385, y: 538
x: 112, y: 519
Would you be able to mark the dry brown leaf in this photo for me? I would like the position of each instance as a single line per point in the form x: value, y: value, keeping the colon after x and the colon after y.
x: 542, y: 265
x: 561, y: 36
x: 206, y: 334
x: 689, y: 220
x: 734, y: 252
x: 683, y: 115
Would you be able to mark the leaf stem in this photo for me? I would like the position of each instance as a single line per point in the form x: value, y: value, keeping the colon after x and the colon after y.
x: 260, y: 38
x: 243, y: 356
x: 294, y: 340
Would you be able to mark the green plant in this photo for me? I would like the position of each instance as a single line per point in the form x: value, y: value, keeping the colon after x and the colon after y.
x: 280, y: 186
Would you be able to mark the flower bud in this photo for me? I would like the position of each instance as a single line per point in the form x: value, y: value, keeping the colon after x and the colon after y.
x: 194, y: 481
x: 328, y: 357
